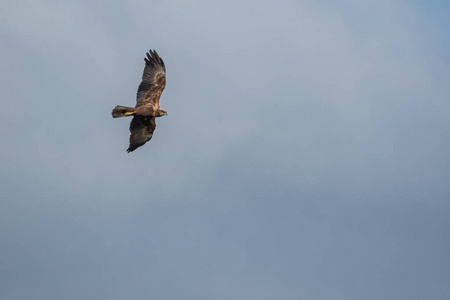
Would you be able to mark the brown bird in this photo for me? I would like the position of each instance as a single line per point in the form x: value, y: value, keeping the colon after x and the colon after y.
x: 147, y: 102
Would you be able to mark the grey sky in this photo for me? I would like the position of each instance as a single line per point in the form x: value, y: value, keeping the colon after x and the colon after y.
x: 305, y: 154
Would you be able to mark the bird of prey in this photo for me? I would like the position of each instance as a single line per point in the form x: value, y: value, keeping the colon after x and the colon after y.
x: 147, y: 106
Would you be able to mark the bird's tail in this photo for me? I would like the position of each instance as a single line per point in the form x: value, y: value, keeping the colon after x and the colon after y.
x: 122, y: 111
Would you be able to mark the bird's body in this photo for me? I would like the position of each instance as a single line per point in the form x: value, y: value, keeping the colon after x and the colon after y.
x: 147, y: 102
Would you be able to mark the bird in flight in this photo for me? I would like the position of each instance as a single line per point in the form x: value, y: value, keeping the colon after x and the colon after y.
x: 147, y: 106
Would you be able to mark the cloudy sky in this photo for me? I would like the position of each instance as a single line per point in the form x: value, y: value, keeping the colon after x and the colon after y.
x: 306, y: 154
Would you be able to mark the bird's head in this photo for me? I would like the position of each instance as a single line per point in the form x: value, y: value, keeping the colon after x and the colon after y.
x: 161, y: 112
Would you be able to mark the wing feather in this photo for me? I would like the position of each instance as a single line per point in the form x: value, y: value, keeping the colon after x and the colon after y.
x: 153, y: 80
x: 141, y: 129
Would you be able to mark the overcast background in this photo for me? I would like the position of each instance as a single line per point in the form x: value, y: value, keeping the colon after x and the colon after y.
x: 306, y: 154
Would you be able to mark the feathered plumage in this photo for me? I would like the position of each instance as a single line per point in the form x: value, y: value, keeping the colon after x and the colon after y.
x: 147, y: 102
x: 141, y: 129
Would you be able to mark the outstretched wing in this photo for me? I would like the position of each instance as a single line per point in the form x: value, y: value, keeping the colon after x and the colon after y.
x: 141, y: 129
x: 153, y: 80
